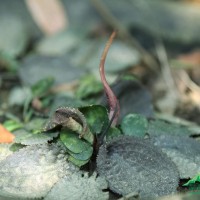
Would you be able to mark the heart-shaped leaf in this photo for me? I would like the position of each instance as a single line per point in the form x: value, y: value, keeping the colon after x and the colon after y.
x: 73, y: 142
x: 96, y: 116
x: 134, y: 125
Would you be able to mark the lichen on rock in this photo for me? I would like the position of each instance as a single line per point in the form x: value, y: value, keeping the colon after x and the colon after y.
x: 33, y: 170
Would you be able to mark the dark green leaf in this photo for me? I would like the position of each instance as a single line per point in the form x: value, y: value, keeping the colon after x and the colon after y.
x: 73, y: 142
x: 113, y: 132
x: 84, y: 155
x: 76, y: 162
x: 134, y: 125
x: 96, y: 116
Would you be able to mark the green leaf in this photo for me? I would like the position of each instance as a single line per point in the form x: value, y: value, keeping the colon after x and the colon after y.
x: 193, y: 180
x: 73, y: 142
x: 88, y: 86
x: 84, y: 155
x: 112, y: 133
x: 27, y: 138
x: 12, y: 125
x: 76, y: 162
x: 134, y: 125
x: 42, y: 86
x: 96, y: 116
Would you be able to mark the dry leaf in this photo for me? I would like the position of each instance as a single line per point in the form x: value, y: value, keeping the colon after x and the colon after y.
x: 49, y: 15
x: 5, y: 135
x: 191, y: 59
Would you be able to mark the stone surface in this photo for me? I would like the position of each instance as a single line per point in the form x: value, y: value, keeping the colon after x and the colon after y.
x: 32, y: 171
x: 60, y: 43
x: 35, y: 68
x: 79, y: 186
x: 120, y: 55
x: 133, y: 165
x: 183, y: 151
x: 13, y: 35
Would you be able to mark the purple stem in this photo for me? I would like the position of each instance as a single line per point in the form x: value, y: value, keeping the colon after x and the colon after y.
x: 112, y: 100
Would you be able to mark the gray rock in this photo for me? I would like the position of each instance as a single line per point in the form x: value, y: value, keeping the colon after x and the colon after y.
x: 60, y: 43
x: 82, y: 14
x: 171, y: 20
x: 133, y: 165
x: 79, y: 186
x: 159, y: 127
x: 120, y: 56
x: 13, y: 35
x: 5, y: 151
x: 183, y: 151
x: 35, y: 68
x: 32, y: 171
x: 18, y: 95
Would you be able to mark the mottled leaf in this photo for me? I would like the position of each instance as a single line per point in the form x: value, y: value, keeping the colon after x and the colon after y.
x: 112, y: 133
x: 96, y: 116
x: 135, y: 125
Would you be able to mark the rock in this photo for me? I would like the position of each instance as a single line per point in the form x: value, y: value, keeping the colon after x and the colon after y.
x: 133, y: 165
x: 35, y: 68
x: 13, y: 35
x: 120, y: 56
x: 79, y: 186
x: 5, y: 151
x: 60, y: 43
x: 170, y: 20
x: 183, y: 151
x: 32, y: 171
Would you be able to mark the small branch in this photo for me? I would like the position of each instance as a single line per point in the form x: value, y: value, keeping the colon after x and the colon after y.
x: 112, y: 100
